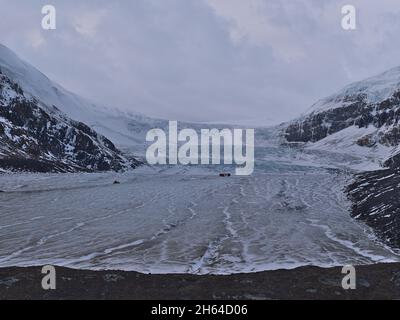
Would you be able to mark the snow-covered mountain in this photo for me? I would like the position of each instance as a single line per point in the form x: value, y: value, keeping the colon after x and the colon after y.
x: 122, y: 128
x: 362, y: 119
x: 37, y: 130
x: 126, y: 130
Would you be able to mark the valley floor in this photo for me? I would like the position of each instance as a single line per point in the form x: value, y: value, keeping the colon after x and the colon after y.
x: 379, y: 281
x: 183, y: 223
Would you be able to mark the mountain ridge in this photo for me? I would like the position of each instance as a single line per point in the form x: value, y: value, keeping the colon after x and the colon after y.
x: 361, y: 119
x: 36, y: 135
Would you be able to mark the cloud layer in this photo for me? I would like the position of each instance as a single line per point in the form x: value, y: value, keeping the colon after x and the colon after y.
x: 263, y: 61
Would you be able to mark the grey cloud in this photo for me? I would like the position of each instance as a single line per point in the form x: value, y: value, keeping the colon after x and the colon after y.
x: 205, y: 60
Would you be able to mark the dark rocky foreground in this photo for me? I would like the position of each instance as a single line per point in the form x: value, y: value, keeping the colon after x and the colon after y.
x: 381, y: 281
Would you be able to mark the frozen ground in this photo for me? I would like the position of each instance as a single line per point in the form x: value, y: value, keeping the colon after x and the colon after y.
x: 188, y: 221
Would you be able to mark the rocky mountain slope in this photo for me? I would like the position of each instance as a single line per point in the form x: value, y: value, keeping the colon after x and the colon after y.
x: 37, y: 136
x: 376, y: 201
x: 362, y: 119
x: 124, y: 129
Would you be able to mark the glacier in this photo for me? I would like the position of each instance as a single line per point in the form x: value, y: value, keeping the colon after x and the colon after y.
x: 186, y: 220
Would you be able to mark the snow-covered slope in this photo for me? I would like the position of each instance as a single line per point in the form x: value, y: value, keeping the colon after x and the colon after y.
x: 362, y: 119
x: 36, y: 135
x: 124, y: 129
x: 375, y: 90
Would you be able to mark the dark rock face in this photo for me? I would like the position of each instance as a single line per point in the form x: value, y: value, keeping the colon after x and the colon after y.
x: 36, y: 138
x: 356, y: 111
x: 376, y: 201
x: 318, y: 126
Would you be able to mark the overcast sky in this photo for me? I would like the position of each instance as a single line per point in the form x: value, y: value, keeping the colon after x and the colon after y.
x: 205, y: 60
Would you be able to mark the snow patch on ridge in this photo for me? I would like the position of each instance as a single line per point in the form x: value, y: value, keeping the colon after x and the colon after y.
x: 376, y: 89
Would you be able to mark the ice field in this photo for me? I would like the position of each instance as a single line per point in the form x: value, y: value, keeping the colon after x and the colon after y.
x: 184, y: 220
